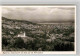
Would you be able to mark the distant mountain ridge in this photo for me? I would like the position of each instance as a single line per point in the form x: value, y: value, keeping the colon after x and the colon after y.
x: 14, y: 20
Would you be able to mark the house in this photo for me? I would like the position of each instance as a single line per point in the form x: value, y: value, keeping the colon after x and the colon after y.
x: 21, y: 34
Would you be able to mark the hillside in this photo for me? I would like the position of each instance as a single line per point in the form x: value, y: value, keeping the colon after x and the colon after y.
x: 19, y: 35
x: 14, y: 20
x: 14, y: 27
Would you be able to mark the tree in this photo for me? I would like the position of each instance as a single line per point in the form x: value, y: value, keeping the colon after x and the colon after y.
x: 4, y: 41
x: 19, y: 42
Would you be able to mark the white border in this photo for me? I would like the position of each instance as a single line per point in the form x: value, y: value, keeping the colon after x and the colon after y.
x: 0, y: 31
x: 36, y: 52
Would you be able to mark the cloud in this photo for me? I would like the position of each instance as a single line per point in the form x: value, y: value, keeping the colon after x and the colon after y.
x: 39, y: 14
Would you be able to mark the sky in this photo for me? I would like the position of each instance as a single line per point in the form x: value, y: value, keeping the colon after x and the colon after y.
x: 40, y: 13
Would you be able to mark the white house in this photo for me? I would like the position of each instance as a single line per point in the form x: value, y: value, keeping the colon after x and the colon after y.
x: 22, y: 34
